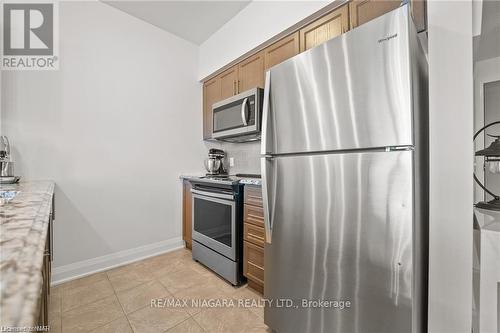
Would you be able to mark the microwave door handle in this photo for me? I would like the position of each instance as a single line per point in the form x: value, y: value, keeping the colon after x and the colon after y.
x: 244, y: 111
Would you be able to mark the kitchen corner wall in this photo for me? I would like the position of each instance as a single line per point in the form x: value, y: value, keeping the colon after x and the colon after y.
x: 114, y: 127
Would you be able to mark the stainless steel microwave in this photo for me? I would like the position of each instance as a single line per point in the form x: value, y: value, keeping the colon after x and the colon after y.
x: 238, y: 118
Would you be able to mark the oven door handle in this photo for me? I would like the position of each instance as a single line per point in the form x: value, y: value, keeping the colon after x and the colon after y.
x: 213, y: 195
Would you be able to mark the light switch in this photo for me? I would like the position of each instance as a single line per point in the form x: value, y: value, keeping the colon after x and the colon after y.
x: 231, y: 161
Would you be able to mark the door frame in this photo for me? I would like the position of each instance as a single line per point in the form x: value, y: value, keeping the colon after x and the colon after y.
x: 485, y: 71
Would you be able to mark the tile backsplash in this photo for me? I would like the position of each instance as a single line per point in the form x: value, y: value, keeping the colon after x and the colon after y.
x: 246, y: 156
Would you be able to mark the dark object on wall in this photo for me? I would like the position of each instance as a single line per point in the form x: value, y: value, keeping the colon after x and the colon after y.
x: 491, y: 156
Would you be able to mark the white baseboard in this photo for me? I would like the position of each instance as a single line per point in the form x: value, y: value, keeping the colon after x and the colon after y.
x: 83, y: 268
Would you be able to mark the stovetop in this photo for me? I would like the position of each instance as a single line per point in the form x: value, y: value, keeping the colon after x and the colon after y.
x: 219, y: 179
x: 226, y: 179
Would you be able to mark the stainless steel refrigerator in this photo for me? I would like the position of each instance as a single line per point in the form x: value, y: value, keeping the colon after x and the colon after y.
x: 344, y: 166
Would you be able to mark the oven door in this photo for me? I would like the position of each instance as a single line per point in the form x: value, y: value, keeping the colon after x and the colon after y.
x: 214, y: 219
x: 237, y: 115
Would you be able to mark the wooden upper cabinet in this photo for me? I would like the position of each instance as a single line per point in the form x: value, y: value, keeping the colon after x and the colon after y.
x: 228, y: 83
x: 211, y: 94
x: 281, y: 50
x: 362, y: 11
x: 325, y: 28
x: 251, y: 72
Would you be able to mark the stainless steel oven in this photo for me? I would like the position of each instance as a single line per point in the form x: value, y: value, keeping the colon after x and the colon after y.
x: 217, y: 227
x: 238, y: 118
x: 214, y: 222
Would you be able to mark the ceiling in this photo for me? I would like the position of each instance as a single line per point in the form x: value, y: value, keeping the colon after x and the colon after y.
x: 194, y: 21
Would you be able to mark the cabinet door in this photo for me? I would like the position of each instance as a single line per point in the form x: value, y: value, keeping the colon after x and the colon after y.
x: 325, y: 28
x: 362, y: 11
x: 211, y: 94
x: 186, y: 213
x: 251, y: 72
x: 281, y: 50
x: 228, y: 82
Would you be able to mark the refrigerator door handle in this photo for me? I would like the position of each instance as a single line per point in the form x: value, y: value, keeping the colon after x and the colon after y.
x: 268, y: 196
x: 265, y: 115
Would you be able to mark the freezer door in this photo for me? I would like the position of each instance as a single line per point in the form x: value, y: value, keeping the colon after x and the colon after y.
x: 341, y: 231
x: 348, y: 93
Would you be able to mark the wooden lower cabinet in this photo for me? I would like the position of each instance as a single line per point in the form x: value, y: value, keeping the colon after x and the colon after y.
x: 253, y: 196
x: 253, y: 238
x: 43, y: 314
x: 254, y: 234
x: 253, y: 214
x: 187, y: 213
x: 43, y: 303
x: 253, y: 267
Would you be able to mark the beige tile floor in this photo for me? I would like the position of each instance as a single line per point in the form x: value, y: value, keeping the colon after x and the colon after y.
x: 119, y: 300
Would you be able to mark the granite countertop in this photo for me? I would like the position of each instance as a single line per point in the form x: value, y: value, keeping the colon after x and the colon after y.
x: 251, y: 181
x: 187, y: 177
x: 24, y: 223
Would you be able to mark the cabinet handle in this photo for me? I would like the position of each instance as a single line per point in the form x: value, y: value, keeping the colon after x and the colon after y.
x: 234, y: 88
x: 238, y: 86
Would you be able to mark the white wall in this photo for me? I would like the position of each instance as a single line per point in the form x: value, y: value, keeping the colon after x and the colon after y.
x: 114, y: 128
x: 451, y: 164
x: 255, y: 24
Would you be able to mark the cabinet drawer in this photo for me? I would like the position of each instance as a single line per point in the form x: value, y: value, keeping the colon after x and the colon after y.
x: 253, y: 262
x: 253, y: 214
x: 253, y: 195
x: 254, y: 234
